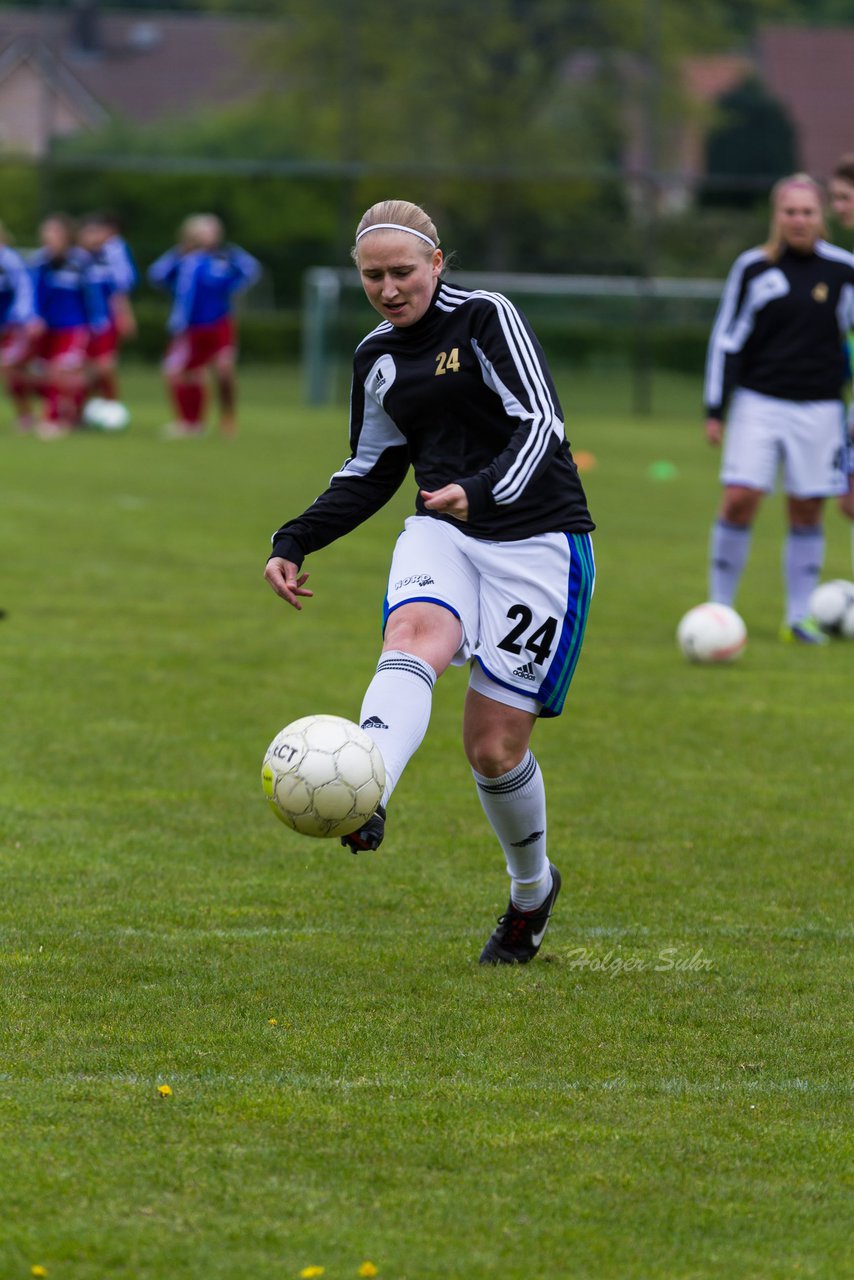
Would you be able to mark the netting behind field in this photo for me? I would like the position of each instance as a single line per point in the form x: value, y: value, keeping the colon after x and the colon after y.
x: 588, y: 321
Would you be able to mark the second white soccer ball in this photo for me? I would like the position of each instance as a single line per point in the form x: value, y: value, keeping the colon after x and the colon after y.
x: 106, y: 415
x: 323, y: 776
x: 832, y: 606
x: 711, y: 633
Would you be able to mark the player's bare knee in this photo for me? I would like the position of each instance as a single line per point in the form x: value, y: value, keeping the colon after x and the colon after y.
x: 404, y: 629
x: 426, y: 630
x: 805, y: 513
x: 739, y: 507
x: 495, y: 737
x: 493, y: 755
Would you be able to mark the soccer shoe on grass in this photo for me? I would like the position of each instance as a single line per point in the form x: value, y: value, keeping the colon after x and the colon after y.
x: 804, y: 632
x: 370, y: 836
x: 519, y: 934
x: 183, y: 430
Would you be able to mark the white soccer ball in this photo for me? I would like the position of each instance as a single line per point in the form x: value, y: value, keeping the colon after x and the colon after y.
x: 846, y: 626
x: 106, y: 415
x: 92, y: 411
x: 830, y: 604
x: 711, y: 633
x: 323, y: 776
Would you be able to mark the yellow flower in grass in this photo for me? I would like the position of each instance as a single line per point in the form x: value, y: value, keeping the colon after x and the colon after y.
x: 309, y: 1273
x: 164, y: 1090
x: 272, y: 1022
x: 368, y: 1269
x: 38, y: 1271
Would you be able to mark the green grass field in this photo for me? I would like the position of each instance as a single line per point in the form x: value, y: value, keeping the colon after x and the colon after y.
x: 664, y: 1094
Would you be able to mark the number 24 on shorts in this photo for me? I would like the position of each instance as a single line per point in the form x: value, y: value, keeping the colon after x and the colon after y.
x: 539, y: 642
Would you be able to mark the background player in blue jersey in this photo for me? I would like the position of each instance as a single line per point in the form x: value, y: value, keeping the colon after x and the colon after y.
x: 19, y: 326
x: 114, y: 273
x: 494, y: 570
x: 203, y: 275
x: 776, y: 369
x: 71, y: 307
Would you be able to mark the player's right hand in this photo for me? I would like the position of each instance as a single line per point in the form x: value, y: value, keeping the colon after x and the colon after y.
x: 286, y: 580
x: 714, y: 430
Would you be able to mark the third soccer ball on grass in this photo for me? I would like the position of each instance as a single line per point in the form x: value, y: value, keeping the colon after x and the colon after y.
x: 105, y: 415
x: 832, y: 606
x: 711, y: 633
x: 323, y: 776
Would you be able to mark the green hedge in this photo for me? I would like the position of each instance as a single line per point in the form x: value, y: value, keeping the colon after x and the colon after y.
x: 680, y: 349
x: 273, y: 337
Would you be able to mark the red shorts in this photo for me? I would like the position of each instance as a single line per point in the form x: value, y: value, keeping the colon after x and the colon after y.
x: 199, y: 345
x: 103, y: 343
x: 63, y: 348
x: 16, y: 346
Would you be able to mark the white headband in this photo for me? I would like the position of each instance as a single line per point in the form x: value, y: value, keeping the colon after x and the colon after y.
x: 397, y: 226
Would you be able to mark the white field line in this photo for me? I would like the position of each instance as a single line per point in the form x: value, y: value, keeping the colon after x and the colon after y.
x: 746, y: 932
x: 453, y: 1084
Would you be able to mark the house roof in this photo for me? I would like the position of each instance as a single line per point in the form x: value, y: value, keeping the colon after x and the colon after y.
x: 30, y: 49
x: 148, y: 65
x: 809, y: 69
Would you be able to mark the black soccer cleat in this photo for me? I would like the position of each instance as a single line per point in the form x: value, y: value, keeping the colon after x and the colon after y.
x: 519, y: 934
x: 369, y: 836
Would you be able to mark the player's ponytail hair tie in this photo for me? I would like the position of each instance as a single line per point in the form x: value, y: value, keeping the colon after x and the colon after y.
x: 396, y: 226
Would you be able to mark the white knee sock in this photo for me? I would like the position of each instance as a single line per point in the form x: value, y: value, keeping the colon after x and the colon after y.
x: 396, y: 710
x: 728, y: 550
x: 803, y: 557
x: 515, y: 805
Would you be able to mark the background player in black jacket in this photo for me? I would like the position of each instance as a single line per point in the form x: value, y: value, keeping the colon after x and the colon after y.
x: 842, y: 203
x: 496, y: 567
x: 777, y: 368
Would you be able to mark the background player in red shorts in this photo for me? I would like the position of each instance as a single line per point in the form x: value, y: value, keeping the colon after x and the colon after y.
x: 203, y: 274
x: 71, y: 307
x: 18, y: 329
x: 113, y: 273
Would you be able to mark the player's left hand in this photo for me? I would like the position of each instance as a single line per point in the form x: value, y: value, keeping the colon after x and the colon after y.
x: 451, y: 499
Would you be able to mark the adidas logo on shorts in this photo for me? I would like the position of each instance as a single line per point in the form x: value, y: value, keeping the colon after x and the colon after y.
x: 373, y: 722
x: 526, y: 671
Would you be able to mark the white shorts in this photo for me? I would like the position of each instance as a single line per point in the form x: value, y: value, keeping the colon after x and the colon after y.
x: 809, y: 438
x: 522, y: 605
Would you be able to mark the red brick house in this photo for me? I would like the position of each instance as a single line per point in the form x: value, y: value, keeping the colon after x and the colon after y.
x: 63, y: 70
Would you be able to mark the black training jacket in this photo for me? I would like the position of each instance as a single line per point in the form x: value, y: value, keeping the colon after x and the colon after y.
x: 781, y: 327
x: 462, y: 396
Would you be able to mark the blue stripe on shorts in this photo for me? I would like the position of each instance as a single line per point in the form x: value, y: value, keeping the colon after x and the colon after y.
x: 387, y: 611
x: 582, y: 573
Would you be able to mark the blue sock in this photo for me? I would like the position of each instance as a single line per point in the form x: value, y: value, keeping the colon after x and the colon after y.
x: 728, y: 551
x: 803, y: 557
